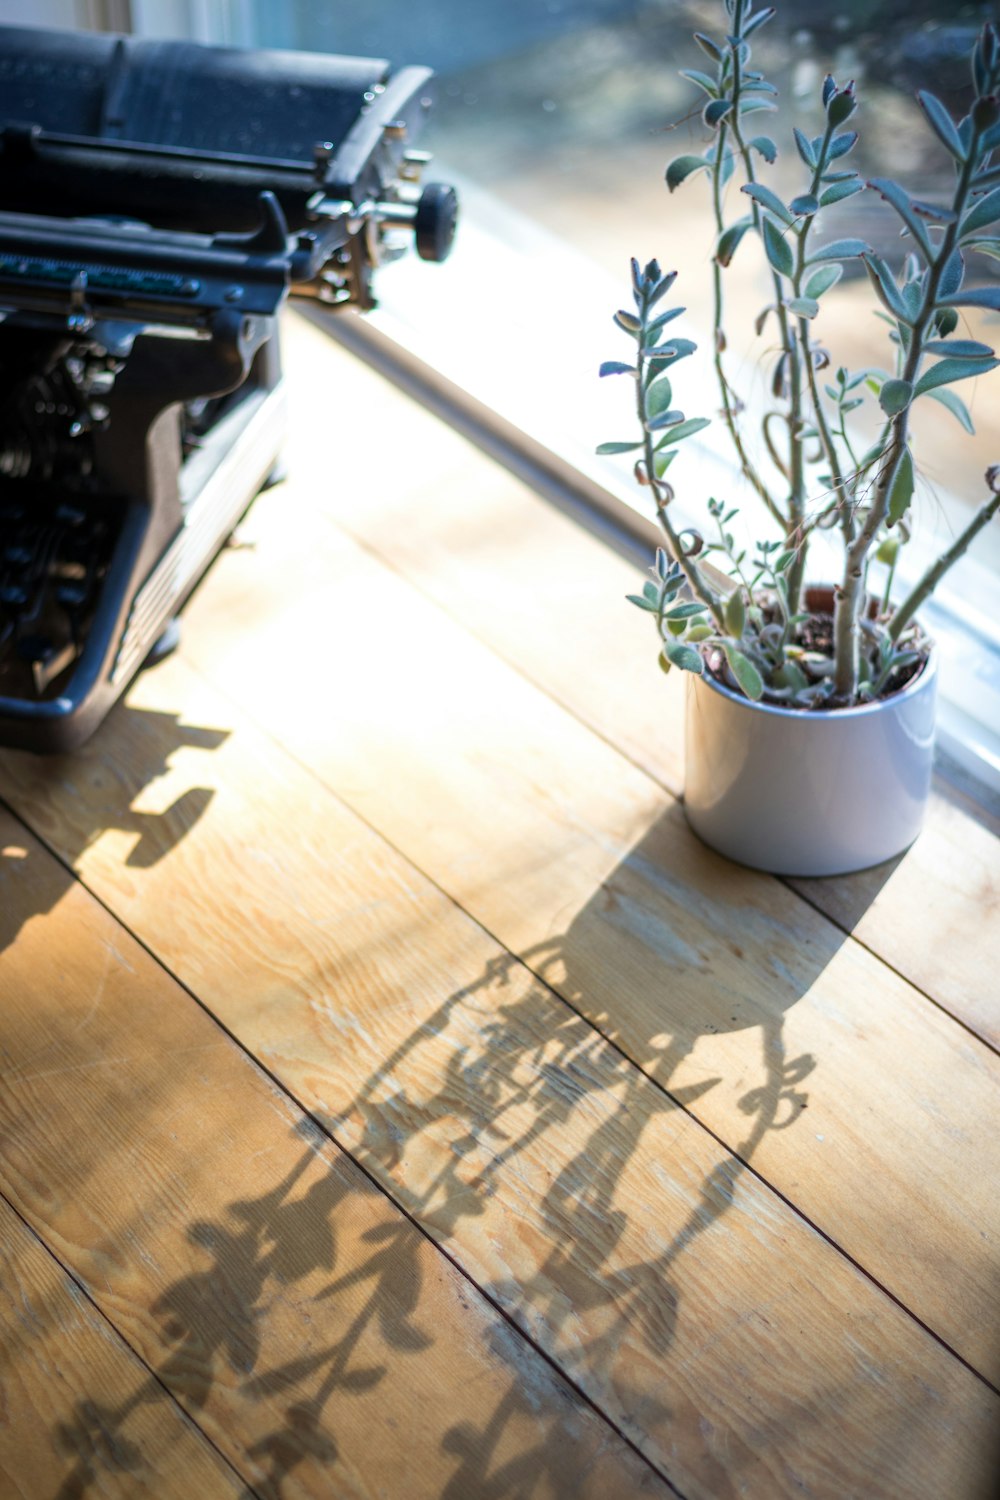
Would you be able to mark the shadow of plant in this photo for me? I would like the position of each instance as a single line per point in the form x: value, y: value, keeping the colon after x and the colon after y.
x: 503, y: 1083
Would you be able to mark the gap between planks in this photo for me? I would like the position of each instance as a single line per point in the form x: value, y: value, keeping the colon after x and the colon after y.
x: 271, y: 1254
x: 948, y: 952
x: 262, y: 791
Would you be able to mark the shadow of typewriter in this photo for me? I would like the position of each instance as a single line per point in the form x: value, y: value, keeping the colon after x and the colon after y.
x: 33, y: 881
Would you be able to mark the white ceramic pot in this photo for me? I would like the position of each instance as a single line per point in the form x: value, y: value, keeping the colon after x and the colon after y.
x: 808, y: 793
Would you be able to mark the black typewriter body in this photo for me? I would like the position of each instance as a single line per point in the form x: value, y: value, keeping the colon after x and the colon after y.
x: 158, y: 203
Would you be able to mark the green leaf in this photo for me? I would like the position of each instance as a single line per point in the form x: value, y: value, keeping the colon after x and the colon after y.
x: 841, y: 144
x: 702, y: 80
x: 837, y: 250
x: 651, y: 592
x: 662, y: 286
x: 616, y: 367
x: 900, y: 201
x: 936, y: 212
x: 628, y: 322
x: 658, y: 397
x: 838, y: 191
x: 783, y: 561
x: 841, y: 105
x: 686, y: 611
x: 985, y: 296
x: 760, y: 19
x: 913, y: 300
x: 662, y: 663
x: 882, y: 280
x: 682, y: 167
x: 804, y: 206
x: 709, y: 47
x: 777, y: 249
x: 716, y: 110
x: 985, y: 247
x: 668, y: 418
x: 962, y: 348
x: 942, y: 124
x: 901, y: 492
x: 986, y: 179
x: 952, y: 276
x: 683, y: 656
x: 895, y: 396
x: 985, y: 211
x: 955, y: 405
x: 686, y: 429
x: 641, y: 603
x: 730, y: 238
x: 662, y: 461
x: 790, y: 675
x: 744, y: 671
x: 948, y: 370
x: 735, y: 613
x: 821, y: 281
x: 657, y: 326
x: 766, y: 147
x: 768, y: 200
x: 605, y: 449
x: 748, y: 106
x: 803, y: 307
x: 805, y: 148
x: 668, y: 354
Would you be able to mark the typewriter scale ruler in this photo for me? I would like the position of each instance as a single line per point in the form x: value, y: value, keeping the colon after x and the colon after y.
x: 133, y: 266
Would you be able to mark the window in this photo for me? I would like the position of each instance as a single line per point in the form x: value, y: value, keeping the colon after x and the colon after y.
x: 555, y: 117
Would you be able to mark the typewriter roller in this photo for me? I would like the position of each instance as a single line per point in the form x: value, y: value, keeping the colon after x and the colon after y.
x: 158, y: 201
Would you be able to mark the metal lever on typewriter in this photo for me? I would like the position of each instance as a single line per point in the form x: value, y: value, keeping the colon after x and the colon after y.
x: 158, y: 201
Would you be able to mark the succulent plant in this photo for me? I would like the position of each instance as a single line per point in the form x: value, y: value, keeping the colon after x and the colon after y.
x: 759, y: 636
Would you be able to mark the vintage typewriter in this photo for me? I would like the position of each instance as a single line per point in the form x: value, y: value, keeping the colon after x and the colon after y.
x: 158, y: 201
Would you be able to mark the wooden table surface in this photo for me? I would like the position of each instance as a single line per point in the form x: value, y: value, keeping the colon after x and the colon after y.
x: 398, y: 1101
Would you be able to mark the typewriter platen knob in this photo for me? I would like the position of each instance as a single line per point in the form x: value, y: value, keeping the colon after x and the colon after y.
x: 435, y: 220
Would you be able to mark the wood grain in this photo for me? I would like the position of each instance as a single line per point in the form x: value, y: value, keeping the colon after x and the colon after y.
x: 65, y: 1380
x: 549, y: 598
x: 320, y: 1340
x: 582, y: 866
x: 725, y: 1336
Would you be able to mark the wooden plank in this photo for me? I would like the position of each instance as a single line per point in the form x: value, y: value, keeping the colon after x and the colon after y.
x: 721, y: 1332
x: 578, y: 863
x: 934, y: 914
x: 322, y: 1341
x: 69, y: 1387
x: 550, y: 599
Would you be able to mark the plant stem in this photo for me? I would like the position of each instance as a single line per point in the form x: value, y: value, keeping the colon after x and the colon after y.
x: 843, y: 498
x: 929, y: 582
x: 850, y: 595
x: 662, y: 494
x: 890, y: 579
x: 718, y: 341
x: 792, y: 522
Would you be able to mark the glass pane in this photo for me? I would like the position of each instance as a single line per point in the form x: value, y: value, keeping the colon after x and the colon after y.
x: 568, y: 111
